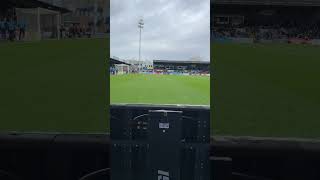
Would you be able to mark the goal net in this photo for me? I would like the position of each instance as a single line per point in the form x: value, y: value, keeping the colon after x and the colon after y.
x: 40, y: 23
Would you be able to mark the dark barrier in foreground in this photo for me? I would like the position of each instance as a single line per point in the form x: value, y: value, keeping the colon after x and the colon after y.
x: 52, y: 156
x: 74, y: 156
x: 270, y: 158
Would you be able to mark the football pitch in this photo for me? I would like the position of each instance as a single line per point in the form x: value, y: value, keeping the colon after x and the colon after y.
x: 257, y: 90
x: 160, y: 89
x: 266, y: 90
x: 56, y: 86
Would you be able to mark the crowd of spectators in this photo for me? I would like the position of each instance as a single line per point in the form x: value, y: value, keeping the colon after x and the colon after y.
x: 10, y: 28
x: 113, y: 70
x: 13, y: 29
x: 75, y: 31
x: 270, y: 32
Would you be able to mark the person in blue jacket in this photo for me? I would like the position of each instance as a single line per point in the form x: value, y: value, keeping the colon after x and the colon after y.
x: 12, y: 30
x: 3, y: 30
x: 22, y: 30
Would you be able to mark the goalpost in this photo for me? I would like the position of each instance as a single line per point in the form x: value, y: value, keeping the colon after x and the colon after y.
x: 40, y: 23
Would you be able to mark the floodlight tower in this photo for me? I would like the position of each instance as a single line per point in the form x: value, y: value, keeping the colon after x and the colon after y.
x: 140, y: 26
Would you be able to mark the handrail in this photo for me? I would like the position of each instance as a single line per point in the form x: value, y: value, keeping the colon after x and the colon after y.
x: 239, y: 142
x: 101, y: 174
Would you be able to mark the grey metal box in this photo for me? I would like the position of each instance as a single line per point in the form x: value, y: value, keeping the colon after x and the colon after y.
x: 160, y: 142
x: 165, y: 137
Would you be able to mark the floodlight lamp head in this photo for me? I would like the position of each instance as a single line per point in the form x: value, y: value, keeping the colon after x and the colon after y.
x: 141, y: 23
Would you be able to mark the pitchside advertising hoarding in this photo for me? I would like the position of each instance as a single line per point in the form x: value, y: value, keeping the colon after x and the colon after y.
x: 315, y: 41
x: 304, y: 41
x: 299, y: 41
x: 252, y: 40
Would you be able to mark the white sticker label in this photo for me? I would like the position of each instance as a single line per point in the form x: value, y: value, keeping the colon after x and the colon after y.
x: 164, y: 125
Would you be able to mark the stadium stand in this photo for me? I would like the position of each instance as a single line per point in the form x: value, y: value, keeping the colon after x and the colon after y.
x: 113, y: 65
x: 7, y: 4
x: 21, y: 17
x: 181, y: 67
x: 269, y: 2
x: 14, y: 25
x: 267, y: 20
x: 177, y: 67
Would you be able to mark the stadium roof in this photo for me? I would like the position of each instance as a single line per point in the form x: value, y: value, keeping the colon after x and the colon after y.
x: 5, y: 4
x: 270, y: 2
x: 181, y: 62
x: 115, y: 61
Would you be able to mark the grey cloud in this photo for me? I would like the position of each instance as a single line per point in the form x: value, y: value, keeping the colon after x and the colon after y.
x: 178, y: 29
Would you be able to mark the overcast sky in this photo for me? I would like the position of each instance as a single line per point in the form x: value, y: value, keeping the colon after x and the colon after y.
x: 174, y: 29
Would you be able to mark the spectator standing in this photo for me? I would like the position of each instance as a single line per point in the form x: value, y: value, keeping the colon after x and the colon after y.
x: 62, y: 30
x: 22, y: 30
x: 70, y: 30
x: 3, y: 28
x: 73, y: 31
x: 79, y: 31
x: 11, y: 29
x: 88, y: 31
x: 83, y: 30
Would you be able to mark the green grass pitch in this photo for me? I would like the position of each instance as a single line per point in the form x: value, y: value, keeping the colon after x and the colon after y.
x: 256, y: 90
x: 54, y: 86
x: 266, y: 90
x: 160, y: 89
